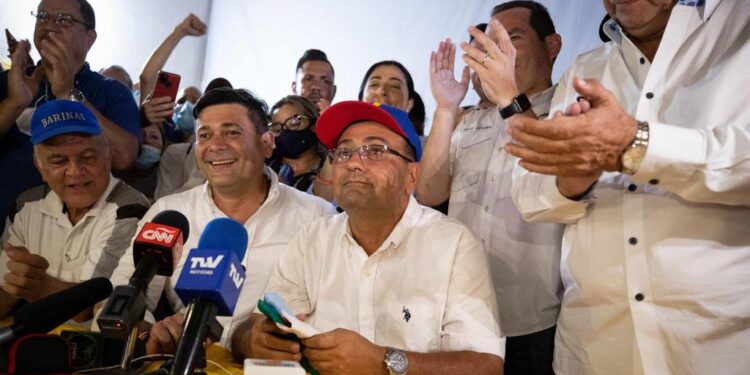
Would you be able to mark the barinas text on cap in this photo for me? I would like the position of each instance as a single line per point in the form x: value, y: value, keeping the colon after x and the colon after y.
x: 62, y: 116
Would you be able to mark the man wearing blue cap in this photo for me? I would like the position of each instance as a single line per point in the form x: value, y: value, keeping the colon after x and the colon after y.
x: 393, y: 285
x: 64, y: 32
x: 79, y: 224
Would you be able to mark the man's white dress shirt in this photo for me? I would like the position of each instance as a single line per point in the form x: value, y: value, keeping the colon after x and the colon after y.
x: 656, y: 266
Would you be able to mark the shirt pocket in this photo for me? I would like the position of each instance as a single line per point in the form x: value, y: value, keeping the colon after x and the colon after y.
x: 472, y: 157
x: 72, y: 269
x: 418, y: 321
x: 463, y: 181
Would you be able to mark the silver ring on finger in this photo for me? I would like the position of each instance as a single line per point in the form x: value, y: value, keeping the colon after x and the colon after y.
x: 486, y: 56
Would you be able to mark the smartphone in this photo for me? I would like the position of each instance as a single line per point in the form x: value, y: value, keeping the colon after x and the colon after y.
x: 167, y: 84
x: 273, y: 313
x: 9, y: 37
x: 12, y: 42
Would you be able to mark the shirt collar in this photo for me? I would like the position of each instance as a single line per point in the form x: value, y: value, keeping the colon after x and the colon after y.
x: 273, y: 194
x: 631, y: 53
x: 705, y: 9
x: 408, y: 220
x: 83, y: 74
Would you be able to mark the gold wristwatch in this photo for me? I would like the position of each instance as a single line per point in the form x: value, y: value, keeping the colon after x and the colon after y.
x: 634, y: 154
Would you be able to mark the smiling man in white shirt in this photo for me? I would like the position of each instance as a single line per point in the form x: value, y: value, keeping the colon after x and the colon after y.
x: 232, y: 142
x: 650, y: 172
x: 388, y: 279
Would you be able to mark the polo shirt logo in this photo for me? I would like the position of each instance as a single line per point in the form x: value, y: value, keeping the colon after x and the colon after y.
x: 62, y: 116
x: 407, y: 314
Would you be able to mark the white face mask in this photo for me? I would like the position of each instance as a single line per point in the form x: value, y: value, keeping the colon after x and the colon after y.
x: 24, y: 121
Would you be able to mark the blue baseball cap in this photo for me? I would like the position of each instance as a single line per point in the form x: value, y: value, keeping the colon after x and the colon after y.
x: 62, y: 117
x: 339, y: 116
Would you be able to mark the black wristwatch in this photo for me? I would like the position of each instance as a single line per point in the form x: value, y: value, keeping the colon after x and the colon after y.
x: 519, y: 104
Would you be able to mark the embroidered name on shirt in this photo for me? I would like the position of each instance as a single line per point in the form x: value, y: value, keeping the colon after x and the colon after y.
x: 479, y: 127
x: 407, y: 314
x: 51, y: 119
x: 692, y: 3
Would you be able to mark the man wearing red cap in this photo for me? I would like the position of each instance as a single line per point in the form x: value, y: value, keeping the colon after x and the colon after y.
x: 392, y: 285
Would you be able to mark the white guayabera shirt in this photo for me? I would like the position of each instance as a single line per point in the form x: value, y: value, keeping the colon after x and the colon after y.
x: 656, y: 266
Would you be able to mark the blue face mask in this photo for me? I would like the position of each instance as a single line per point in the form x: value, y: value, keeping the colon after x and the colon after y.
x: 183, y: 118
x: 137, y: 96
x: 149, y: 156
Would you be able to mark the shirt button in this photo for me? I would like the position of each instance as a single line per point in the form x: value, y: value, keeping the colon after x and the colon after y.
x: 649, y: 95
x: 643, y: 60
x: 639, y: 297
x: 486, y: 208
x: 653, y: 182
x: 632, y: 187
x: 632, y: 240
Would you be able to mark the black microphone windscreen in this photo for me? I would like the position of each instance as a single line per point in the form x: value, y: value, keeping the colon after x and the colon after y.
x: 49, y: 312
x: 174, y: 219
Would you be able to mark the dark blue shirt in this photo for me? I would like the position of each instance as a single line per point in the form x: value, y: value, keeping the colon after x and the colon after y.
x: 17, y: 171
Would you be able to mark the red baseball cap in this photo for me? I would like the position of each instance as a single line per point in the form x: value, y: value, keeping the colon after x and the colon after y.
x: 339, y: 116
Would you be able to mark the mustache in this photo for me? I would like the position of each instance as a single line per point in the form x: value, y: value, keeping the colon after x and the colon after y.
x: 354, y: 176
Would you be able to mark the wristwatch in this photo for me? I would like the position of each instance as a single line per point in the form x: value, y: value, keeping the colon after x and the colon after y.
x: 77, y: 96
x: 395, y: 361
x: 519, y: 104
x: 634, y: 154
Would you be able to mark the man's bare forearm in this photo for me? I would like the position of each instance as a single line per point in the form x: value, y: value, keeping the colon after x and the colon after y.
x: 123, y: 146
x: 156, y: 62
x: 463, y: 362
x: 434, y: 184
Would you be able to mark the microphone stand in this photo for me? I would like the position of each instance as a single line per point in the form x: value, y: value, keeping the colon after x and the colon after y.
x: 199, y: 323
x: 127, y: 354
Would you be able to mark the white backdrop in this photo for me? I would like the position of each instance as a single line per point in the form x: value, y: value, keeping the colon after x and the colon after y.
x: 127, y: 32
x: 256, y: 44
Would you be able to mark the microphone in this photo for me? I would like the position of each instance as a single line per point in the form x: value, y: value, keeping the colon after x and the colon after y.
x: 157, y: 246
x: 49, y: 312
x: 155, y: 249
x: 210, y: 281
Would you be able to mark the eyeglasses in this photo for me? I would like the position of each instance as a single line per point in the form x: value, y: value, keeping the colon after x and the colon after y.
x: 294, y: 123
x: 341, y: 155
x: 62, y: 19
